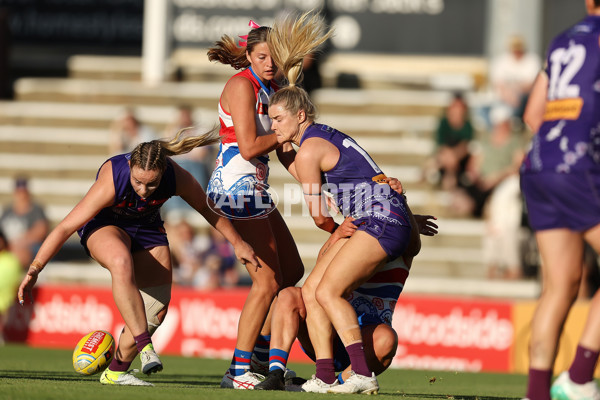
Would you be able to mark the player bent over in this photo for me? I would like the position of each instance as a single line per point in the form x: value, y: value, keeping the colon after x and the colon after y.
x: 374, y: 304
x: 120, y: 227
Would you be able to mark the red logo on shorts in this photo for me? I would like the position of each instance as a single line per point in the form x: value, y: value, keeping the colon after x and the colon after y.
x: 261, y: 171
x: 378, y: 303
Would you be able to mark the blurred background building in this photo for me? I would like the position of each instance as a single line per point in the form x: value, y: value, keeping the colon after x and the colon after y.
x: 69, y: 68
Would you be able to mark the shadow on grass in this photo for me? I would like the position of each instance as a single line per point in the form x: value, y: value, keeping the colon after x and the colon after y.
x: 166, y: 379
x: 40, y: 375
x: 446, y: 396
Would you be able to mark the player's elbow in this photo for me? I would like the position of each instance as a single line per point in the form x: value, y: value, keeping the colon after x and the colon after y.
x: 248, y: 153
x: 321, y: 222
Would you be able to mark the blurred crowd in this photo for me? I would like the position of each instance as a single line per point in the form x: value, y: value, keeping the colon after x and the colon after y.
x: 476, y: 158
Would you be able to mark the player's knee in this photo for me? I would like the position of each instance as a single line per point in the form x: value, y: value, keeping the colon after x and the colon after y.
x: 308, y: 294
x: 289, y: 300
x: 156, y: 302
x: 324, y: 296
x: 386, y: 345
x: 266, y: 288
x: 121, y: 267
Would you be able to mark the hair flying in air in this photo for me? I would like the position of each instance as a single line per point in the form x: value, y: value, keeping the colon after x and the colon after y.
x: 153, y: 155
x: 226, y: 51
x: 290, y: 40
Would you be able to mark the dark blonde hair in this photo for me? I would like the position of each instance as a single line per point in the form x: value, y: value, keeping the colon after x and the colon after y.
x: 290, y: 40
x: 226, y: 51
x: 153, y: 155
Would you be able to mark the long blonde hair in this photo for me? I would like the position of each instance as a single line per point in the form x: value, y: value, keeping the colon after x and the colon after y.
x: 290, y: 40
x: 153, y: 155
x: 226, y: 51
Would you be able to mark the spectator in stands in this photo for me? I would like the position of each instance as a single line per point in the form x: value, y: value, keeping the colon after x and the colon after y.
x: 201, y: 260
x: 498, y: 156
x: 10, y: 276
x: 128, y: 131
x: 503, y: 230
x: 188, y: 249
x: 198, y: 162
x: 222, y: 257
x: 512, y: 75
x: 453, y: 137
x: 24, y: 223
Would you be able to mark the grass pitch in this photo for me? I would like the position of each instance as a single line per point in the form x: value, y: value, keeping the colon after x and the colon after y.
x: 40, y: 374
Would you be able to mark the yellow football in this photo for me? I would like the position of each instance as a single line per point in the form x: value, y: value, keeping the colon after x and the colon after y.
x: 93, y: 353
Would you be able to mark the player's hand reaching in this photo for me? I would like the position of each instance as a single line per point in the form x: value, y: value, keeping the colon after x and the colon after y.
x: 425, y: 224
x: 245, y: 254
x: 26, y: 287
x: 395, y: 184
x: 346, y: 229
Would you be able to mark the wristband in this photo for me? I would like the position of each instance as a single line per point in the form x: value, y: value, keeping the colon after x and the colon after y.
x: 37, y: 266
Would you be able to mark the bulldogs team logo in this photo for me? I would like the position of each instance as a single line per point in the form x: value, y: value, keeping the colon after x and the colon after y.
x: 261, y: 171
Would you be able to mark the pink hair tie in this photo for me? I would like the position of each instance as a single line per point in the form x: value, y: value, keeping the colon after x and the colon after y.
x: 244, y: 38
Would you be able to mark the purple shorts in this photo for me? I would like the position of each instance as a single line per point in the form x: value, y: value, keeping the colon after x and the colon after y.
x: 556, y: 200
x: 142, y: 236
x: 389, y: 224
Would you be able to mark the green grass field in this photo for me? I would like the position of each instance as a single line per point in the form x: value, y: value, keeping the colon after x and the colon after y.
x: 33, y: 373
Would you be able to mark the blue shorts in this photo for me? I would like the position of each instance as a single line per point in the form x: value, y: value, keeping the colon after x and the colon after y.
x: 389, y: 223
x: 242, y: 206
x: 142, y: 237
x: 558, y: 200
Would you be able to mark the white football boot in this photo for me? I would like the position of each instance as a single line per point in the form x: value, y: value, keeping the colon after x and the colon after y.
x: 316, y: 385
x: 122, y: 378
x: 245, y: 381
x: 150, y: 361
x: 564, y: 388
x: 357, y: 384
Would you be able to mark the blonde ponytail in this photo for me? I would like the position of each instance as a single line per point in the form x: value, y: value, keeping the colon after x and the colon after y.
x: 153, y: 155
x: 290, y: 40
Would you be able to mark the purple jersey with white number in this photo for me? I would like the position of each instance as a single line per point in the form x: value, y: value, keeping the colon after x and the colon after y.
x: 569, y: 138
x: 128, y: 207
x: 355, y: 172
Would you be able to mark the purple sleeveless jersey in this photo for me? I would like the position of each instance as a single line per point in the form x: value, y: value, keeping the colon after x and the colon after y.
x: 560, y: 177
x: 140, y: 218
x: 569, y: 138
x: 357, y: 184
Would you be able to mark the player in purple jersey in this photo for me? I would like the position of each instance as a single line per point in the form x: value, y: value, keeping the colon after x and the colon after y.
x: 121, y: 228
x: 383, y: 219
x: 374, y: 304
x: 560, y: 179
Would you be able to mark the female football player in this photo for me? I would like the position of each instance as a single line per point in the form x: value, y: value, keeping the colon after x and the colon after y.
x: 238, y: 187
x: 383, y: 220
x: 560, y: 178
x: 120, y: 227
